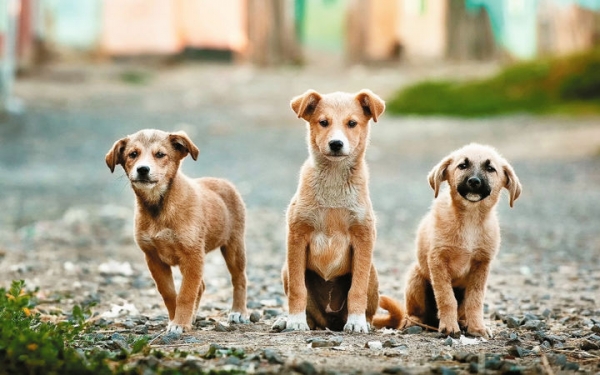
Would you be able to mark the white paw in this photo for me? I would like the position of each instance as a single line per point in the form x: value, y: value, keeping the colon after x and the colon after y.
x: 237, y: 317
x: 174, y: 328
x: 297, y: 322
x: 356, y: 323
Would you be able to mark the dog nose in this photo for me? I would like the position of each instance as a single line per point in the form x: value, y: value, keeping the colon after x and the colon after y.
x: 143, y: 170
x: 474, y: 182
x: 336, y: 145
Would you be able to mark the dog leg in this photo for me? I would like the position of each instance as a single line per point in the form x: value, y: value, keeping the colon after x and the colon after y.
x: 296, y: 283
x: 199, y: 297
x: 163, y: 278
x: 415, y: 297
x: 474, y: 295
x: 189, y: 293
x: 362, y: 241
x: 235, y: 258
x: 441, y: 282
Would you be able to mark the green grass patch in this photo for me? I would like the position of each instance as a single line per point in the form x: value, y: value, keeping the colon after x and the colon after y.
x: 568, y: 85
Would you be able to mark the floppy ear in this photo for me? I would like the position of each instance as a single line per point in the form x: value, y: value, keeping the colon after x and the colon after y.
x: 184, y: 144
x: 373, y: 106
x: 115, y: 155
x: 304, y: 105
x: 513, y: 185
x: 438, y: 175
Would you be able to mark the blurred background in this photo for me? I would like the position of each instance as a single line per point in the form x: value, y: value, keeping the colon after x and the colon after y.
x: 77, y: 75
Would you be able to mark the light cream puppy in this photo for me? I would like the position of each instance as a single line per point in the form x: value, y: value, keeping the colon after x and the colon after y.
x: 457, y: 240
x: 179, y: 219
x: 329, y: 277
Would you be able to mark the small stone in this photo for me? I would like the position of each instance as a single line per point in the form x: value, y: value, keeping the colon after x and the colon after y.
x: 221, y: 328
x: 517, y: 351
x: 513, y: 322
x: 233, y: 360
x: 461, y: 356
x: 320, y: 343
x: 396, y: 370
x: 557, y: 359
x: 449, y: 341
x: 546, y: 313
x: 129, y: 324
x: 255, y: 317
x: 391, y: 343
x: 447, y: 371
x: 571, y: 366
x: 272, y: 356
x: 534, y: 325
x: 589, y: 345
x: 374, y: 345
x: 305, y: 368
x: 596, y: 328
x: 413, y: 330
x: 141, y: 329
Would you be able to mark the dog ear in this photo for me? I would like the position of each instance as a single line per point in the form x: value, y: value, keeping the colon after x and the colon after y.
x: 304, y: 105
x: 115, y: 155
x: 184, y: 144
x: 373, y: 106
x: 513, y: 185
x: 438, y: 175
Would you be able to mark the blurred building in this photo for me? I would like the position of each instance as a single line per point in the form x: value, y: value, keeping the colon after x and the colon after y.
x: 282, y: 31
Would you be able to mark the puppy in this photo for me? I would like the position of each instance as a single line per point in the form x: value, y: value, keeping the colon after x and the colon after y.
x: 179, y: 219
x: 328, y: 276
x: 457, y: 240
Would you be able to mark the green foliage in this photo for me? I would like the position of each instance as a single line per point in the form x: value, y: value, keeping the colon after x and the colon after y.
x: 569, y: 84
x: 28, y: 345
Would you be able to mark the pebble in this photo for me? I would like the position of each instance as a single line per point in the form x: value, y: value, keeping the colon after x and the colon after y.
x: 449, y: 341
x: 513, y: 322
x: 305, y: 368
x: 534, y: 325
x: 255, y: 317
x: 397, y: 370
x: 141, y: 329
x: 517, y: 351
x: 589, y: 345
x: 413, y: 330
x: 272, y: 356
x: 374, y: 345
x: 325, y: 343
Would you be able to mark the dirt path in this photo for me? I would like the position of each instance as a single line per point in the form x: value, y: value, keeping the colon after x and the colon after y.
x: 66, y: 218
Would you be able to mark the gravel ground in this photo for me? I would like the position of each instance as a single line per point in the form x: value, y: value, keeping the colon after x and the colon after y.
x: 67, y: 222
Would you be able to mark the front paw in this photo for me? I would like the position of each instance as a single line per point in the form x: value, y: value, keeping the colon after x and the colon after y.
x: 297, y: 322
x: 356, y: 323
x: 479, y: 329
x: 237, y: 318
x: 449, y: 327
x: 177, y: 329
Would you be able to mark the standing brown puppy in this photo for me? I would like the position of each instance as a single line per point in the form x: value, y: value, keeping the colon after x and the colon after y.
x: 179, y: 219
x: 329, y: 276
x: 457, y: 240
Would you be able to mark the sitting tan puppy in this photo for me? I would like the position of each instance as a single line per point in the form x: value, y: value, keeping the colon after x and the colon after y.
x: 179, y: 219
x: 329, y: 276
x: 456, y: 241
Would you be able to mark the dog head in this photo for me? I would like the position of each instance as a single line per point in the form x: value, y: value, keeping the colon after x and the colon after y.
x: 476, y: 173
x: 151, y: 158
x: 338, y: 123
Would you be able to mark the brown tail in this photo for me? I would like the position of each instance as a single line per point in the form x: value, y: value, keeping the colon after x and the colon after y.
x: 395, y: 316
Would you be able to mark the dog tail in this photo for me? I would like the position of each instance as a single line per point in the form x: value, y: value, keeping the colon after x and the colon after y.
x: 395, y: 314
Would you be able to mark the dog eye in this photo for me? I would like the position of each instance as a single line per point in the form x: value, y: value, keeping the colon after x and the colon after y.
x: 351, y: 123
x: 159, y: 155
x: 490, y: 169
x: 323, y: 123
x: 133, y: 154
x: 462, y: 166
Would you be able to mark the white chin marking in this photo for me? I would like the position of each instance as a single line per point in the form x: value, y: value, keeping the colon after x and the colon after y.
x: 473, y: 197
x: 144, y: 185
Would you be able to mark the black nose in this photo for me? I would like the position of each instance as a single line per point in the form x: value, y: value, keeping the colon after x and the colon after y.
x: 143, y: 170
x: 336, y: 145
x: 474, y: 182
